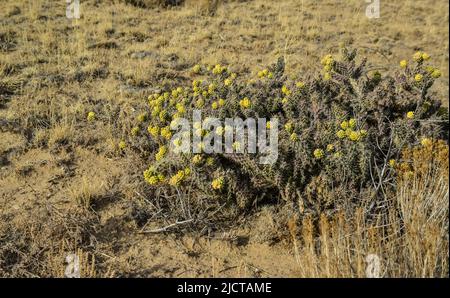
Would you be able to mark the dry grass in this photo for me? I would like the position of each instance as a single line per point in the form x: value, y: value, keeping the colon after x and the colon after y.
x: 410, y: 236
x: 54, y: 70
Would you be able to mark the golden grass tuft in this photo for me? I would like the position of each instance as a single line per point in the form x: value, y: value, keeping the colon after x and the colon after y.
x: 60, y: 135
x: 87, y: 192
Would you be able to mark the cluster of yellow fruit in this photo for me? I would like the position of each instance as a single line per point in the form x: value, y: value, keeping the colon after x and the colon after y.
x: 161, y: 153
x: 157, y: 102
x: 207, y: 92
x: 245, y: 103
x: 420, y: 57
x: 300, y: 84
x: 91, y: 116
x: 293, y: 137
x: 181, y: 175
x: 135, y: 130
x: 197, y: 68
x: 166, y: 133
x: 392, y: 163
x: 418, y: 77
x: 288, y: 92
x: 153, y: 130
x: 166, y: 109
x: 328, y: 63
x: 285, y: 99
x: 410, y: 115
x: 348, y: 131
x: 218, y: 183
x: 285, y: 90
x: 216, y: 104
x: 217, y: 69
x: 197, y: 159
x: 152, y: 177
x: 289, y: 127
x: 236, y: 146
x: 265, y: 73
x: 434, y: 72
x: 122, y: 145
x: 403, y: 64
x: 229, y: 81
x: 426, y: 142
x: 320, y: 153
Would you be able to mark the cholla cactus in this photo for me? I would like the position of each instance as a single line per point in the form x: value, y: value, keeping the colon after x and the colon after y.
x: 339, y: 132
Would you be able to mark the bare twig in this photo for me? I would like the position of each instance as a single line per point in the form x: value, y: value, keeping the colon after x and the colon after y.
x: 163, y: 229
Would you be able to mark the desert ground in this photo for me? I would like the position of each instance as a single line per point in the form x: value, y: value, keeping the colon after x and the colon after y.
x: 65, y: 188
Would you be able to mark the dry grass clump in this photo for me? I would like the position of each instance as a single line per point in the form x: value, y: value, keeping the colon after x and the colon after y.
x: 88, y: 192
x: 7, y: 41
x: 59, y: 135
x: 409, y: 235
